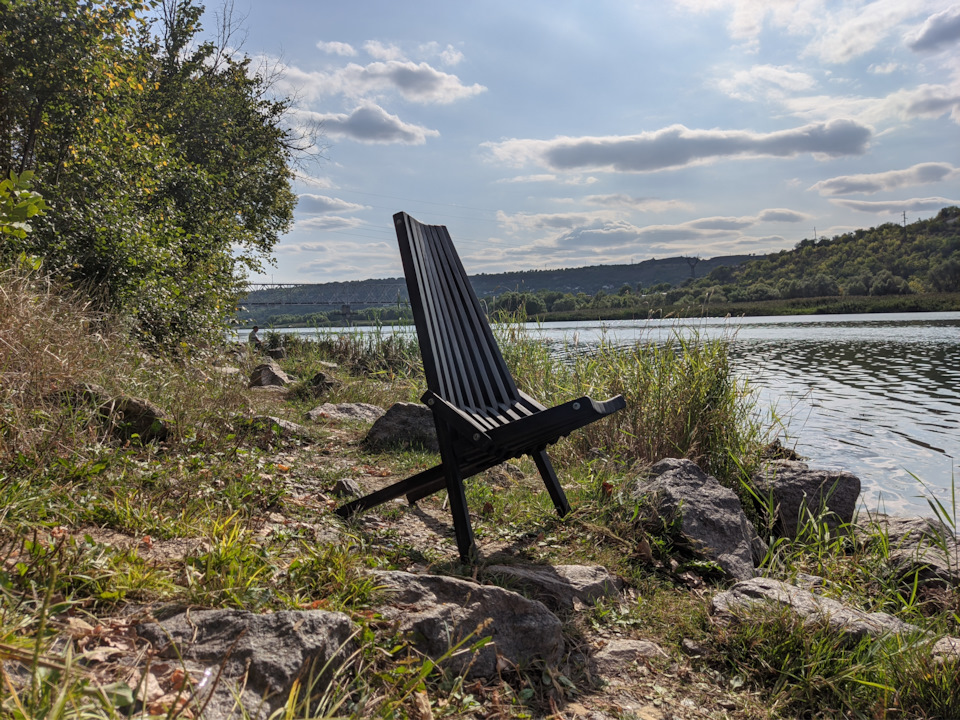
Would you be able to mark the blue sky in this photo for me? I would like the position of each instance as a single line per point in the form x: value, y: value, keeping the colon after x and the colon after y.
x: 561, y: 134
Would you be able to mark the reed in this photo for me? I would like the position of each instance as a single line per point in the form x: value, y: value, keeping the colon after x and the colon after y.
x: 683, y: 400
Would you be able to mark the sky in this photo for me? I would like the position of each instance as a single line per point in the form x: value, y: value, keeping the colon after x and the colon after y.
x: 551, y: 134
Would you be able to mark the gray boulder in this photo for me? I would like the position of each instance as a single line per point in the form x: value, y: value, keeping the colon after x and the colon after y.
x: 854, y: 624
x: 276, y: 426
x: 744, y: 599
x: 620, y: 654
x: 438, y: 612
x: 711, y: 516
x: 404, y: 424
x: 828, y: 494
x: 130, y: 416
x: 357, y: 412
x: 269, y: 374
x: 258, y: 657
x: 322, y: 383
x: 562, y: 586
x: 347, y: 487
x: 924, y: 548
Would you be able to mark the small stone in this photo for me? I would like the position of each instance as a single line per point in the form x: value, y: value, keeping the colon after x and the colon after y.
x: 347, y: 487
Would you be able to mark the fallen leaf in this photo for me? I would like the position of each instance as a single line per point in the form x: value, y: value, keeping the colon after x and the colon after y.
x: 149, y: 689
x: 375, y: 471
x: 174, y: 703
x: 78, y: 628
x: 101, y: 654
x: 178, y: 678
x: 421, y: 704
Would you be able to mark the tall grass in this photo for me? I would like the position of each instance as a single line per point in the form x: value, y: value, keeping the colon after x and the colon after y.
x: 683, y: 400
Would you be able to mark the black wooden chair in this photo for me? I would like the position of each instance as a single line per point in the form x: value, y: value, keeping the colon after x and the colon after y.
x: 481, y: 417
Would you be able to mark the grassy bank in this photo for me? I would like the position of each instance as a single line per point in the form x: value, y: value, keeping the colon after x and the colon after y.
x: 95, y: 531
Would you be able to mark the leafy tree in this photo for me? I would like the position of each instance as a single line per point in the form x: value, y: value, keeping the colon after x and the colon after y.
x: 945, y: 277
x: 166, y: 161
x: 886, y: 283
x: 564, y: 304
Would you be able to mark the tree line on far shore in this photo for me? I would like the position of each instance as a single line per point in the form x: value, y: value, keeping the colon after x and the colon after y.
x: 858, y: 271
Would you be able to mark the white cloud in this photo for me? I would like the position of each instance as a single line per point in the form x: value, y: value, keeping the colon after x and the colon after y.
x: 940, y: 31
x: 337, y: 48
x: 542, y: 177
x: 677, y: 146
x: 338, y: 260
x: 763, y: 81
x: 584, y: 236
x: 544, y: 221
x: 884, y: 69
x: 309, y: 203
x: 641, y: 204
x: 920, y: 174
x: 782, y: 215
x: 836, y: 32
x: 309, y: 227
x: 929, y: 101
x: 416, y: 82
x: 851, y: 31
x: 369, y: 124
x: 449, y: 55
x: 379, y: 51
x: 310, y: 181
x: 894, y: 207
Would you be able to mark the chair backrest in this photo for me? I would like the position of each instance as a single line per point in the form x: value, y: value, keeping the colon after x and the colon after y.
x: 461, y: 359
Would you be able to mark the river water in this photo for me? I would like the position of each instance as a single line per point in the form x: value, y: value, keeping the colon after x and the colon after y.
x: 878, y: 395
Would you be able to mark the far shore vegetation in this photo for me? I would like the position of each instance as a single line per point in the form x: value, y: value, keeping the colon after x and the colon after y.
x: 890, y: 268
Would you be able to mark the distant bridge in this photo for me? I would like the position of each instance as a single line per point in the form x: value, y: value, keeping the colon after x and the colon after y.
x: 342, y: 294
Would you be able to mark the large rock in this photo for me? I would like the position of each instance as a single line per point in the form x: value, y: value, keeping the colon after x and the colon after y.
x: 830, y: 495
x: 269, y: 374
x: 620, y: 655
x: 123, y: 416
x: 356, y: 412
x: 711, y: 516
x: 438, y: 612
x: 258, y: 657
x: 757, y: 593
x: 404, y: 424
x: 275, y: 427
x: 745, y: 599
x: 129, y: 416
x: 562, y: 586
x: 921, y: 548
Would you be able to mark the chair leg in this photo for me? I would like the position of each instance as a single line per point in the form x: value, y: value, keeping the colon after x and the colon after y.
x: 550, y: 480
x: 458, y: 499
x: 410, y: 484
x: 461, y: 517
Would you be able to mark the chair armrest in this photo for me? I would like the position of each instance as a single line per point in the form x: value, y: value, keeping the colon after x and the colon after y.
x: 465, y: 425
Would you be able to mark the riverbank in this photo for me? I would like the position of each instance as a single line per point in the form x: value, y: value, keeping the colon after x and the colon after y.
x: 106, y: 526
x: 929, y: 302
x: 653, y: 308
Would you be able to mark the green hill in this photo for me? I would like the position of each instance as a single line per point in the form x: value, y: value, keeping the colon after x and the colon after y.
x: 891, y: 259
